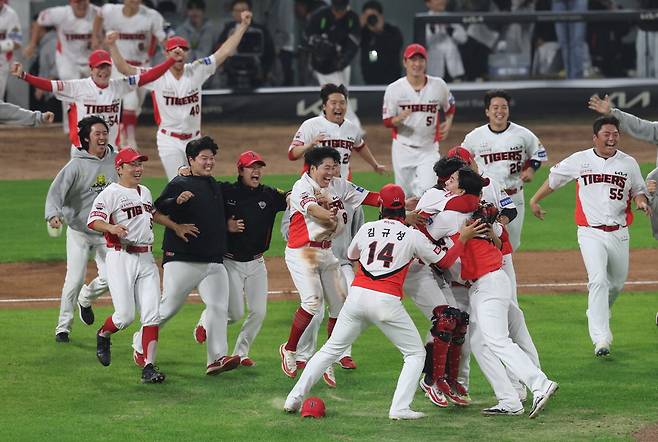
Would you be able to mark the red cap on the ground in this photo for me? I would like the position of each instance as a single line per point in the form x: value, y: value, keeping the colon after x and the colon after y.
x: 313, y: 407
x: 248, y: 158
x: 176, y: 42
x: 99, y: 57
x: 462, y: 153
x: 128, y: 155
x: 391, y: 196
x: 415, y: 49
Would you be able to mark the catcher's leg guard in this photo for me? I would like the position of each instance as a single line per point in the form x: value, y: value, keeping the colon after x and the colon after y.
x: 444, y: 321
x: 454, y: 353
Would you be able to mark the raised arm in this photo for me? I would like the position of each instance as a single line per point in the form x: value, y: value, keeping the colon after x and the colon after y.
x: 119, y: 62
x: 39, y: 82
x: 97, y: 32
x: 231, y: 44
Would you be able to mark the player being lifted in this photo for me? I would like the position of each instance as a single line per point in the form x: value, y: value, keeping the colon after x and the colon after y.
x: 177, y: 95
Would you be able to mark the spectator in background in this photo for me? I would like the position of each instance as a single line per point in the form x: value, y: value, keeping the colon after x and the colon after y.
x: 201, y: 33
x: 571, y: 37
x: 381, y: 46
x: 444, y: 59
x: 610, y: 55
x: 481, y: 40
x: 303, y: 11
x: 250, y: 66
x: 646, y: 45
x: 280, y: 21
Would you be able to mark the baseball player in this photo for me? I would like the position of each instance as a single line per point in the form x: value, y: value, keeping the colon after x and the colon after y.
x: 652, y: 179
x: 69, y: 201
x: 10, y: 40
x: 139, y: 30
x: 490, y: 299
x: 607, y: 180
x: 332, y: 129
x: 12, y: 114
x: 413, y: 108
x: 636, y: 127
x: 197, y: 261
x: 98, y: 94
x: 73, y: 24
x: 177, y: 95
x: 317, y: 215
x: 252, y: 206
x: 124, y: 213
x: 506, y: 152
x: 384, y: 249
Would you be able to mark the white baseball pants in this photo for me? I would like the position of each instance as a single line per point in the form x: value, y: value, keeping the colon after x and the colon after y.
x: 134, y: 282
x: 362, y: 308
x: 172, y: 153
x: 4, y: 76
x: 78, y: 247
x: 414, y: 167
x: 514, y: 228
x: 178, y: 280
x: 606, y: 259
x: 490, y: 299
x: 423, y: 289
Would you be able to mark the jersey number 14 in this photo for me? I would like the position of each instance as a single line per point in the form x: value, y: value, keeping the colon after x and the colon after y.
x: 385, y: 254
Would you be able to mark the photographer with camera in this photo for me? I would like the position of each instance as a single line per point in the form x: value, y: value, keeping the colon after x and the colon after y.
x: 332, y: 38
x: 381, y: 46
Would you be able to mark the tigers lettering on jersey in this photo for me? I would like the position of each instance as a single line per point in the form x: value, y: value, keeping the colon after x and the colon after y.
x: 344, y: 144
x: 94, y: 109
x: 133, y: 211
x: 596, y: 178
x: 175, y: 101
x: 431, y: 108
x: 125, y: 36
x: 77, y: 37
x: 502, y: 156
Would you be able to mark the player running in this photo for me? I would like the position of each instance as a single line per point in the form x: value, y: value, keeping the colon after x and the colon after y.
x: 384, y: 250
x: 177, y: 94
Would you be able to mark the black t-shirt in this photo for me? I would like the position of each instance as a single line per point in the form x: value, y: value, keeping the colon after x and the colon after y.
x: 205, y: 210
x: 344, y: 34
x: 381, y: 54
x: 257, y: 208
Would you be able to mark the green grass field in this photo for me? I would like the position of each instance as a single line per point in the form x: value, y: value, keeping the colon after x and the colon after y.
x: 60, y: 392
x: 26, y: 238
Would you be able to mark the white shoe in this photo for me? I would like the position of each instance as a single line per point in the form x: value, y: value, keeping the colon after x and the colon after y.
x: 539, y: 401
x: 288, y: 364
x: 499, y: 410
x: 602, y: 349
x: 293, y: 404
x: 407, y: 414
x: 329, y: 377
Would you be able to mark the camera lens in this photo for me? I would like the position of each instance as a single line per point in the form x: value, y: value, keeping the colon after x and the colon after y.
x: 371, y: 20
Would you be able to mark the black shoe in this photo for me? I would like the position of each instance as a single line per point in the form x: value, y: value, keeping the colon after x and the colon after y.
x: 86, y: 314
x: 62, y: 337
x: 151, y: 375
x: 103, y: 350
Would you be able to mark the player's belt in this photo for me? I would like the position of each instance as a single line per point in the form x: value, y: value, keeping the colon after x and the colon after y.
x: 513, y: 190
x: 243, y: 258
x: 180, y: 136
x: 133, y: 249
x: 320, y: 244
x: 608, y: 228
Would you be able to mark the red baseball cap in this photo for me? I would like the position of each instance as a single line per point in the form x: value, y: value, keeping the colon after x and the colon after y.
x: 313, y: 407
x: 391, y: 196
x: 415, y: 49
x: 248, y: 158
x: 99, y: 57
x: 176, y: 42
x: 128, y: 155
x: 461, y: 153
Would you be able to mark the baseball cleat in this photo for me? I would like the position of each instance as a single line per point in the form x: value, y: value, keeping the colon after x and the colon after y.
x: 288, y: 364
x: 329, y: 377
x: 499, y: 410
x: 151, y: 375
x: 301, y: 364
x: 103, y: 350
x: 539, y: 401
x: 247, y: 362
x: 602, y: 349
x: 86, y: 314
x: 459, y: 388
x: 225, y: 363
x: 347, y: 363
x: 292, y: 405
x: 407, y: 414
x: 443, y: 386
x: 139, y: 359
x: 199, y: 334
x: 62, y: 337
x: 436, y: 396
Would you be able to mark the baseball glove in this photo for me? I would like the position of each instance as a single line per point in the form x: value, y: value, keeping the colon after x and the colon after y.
x: 487, y: 213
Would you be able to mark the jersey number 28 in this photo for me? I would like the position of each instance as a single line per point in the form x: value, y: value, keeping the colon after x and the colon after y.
x: 385, y: 254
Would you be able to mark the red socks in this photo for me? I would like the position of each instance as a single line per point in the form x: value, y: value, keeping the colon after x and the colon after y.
x: 299, y: 323
x: 149, y: 342
x: 108, y: 328
x: 330, y: 326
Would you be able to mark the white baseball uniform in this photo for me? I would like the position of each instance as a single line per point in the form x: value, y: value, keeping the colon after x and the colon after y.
x: 415, y: 146
x: 177, y: 107
x: 502, y: 156
x: 10, y: 39
x: 384, y: 250
x: 604, y: 189
x: 132, y: 273
x: 344, y: 138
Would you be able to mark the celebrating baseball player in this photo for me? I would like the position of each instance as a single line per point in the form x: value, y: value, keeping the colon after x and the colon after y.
x: 413, y: 108
x: 98, y: 94
x: 607, y: 179
x: 197, y: 260
x: 506, y: 152
x: 139, y: 30
x: 317, y: 215
x: 69, y: 201
x: 177, y: 95
x: 10, y: 40
x: 384, y: 249
x: 124, y: 213
x: 252, y: 206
